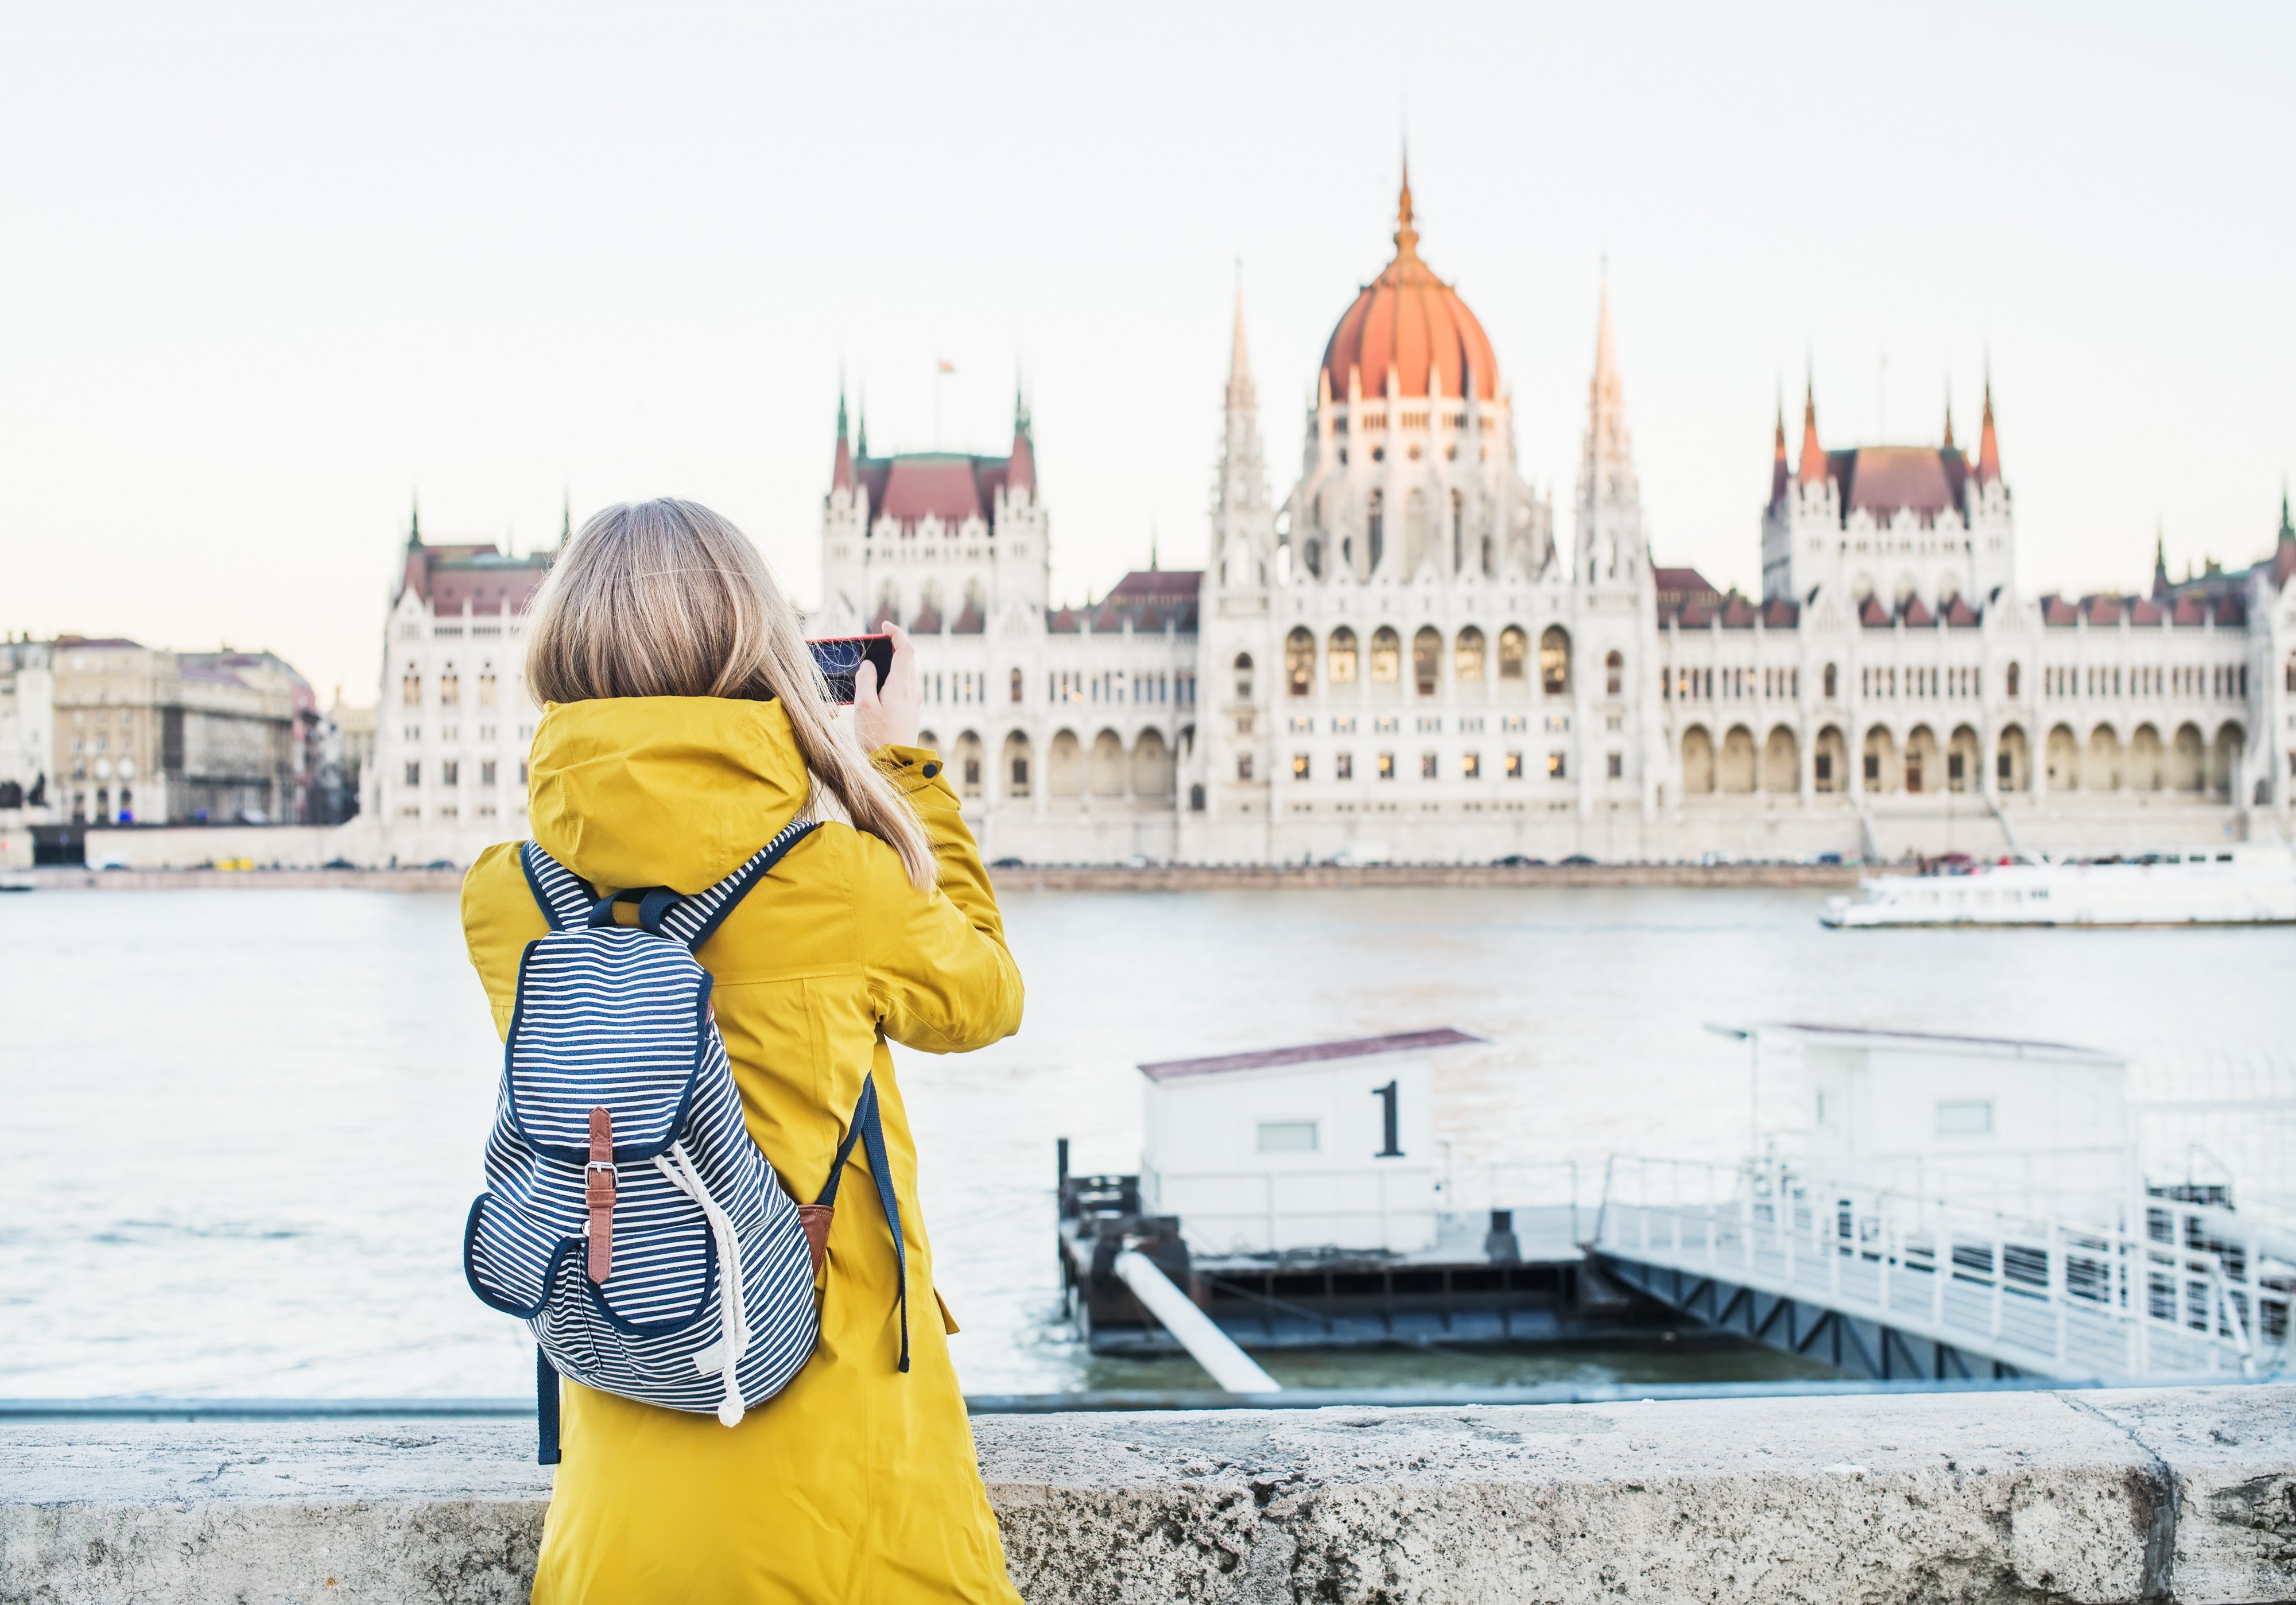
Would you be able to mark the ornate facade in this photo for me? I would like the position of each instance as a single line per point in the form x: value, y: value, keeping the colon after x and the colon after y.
x: 1403, y: 660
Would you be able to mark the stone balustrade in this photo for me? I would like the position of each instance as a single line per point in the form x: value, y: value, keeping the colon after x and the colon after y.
x: 2185, y: 1495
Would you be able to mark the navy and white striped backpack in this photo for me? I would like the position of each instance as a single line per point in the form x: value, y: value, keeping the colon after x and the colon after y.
x: 629, y: 1218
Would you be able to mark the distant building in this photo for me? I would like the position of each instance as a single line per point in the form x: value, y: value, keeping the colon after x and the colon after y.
x: 1405, y: 658
x: 26, y: 747
x: 454, y: 723
x: 346, y: 755
x: 146, y: 736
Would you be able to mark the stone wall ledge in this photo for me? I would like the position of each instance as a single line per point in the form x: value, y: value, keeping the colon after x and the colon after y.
x: 2182, y: 1494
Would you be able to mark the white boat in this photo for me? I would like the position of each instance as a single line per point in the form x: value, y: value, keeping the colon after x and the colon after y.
x: 2232, y: 885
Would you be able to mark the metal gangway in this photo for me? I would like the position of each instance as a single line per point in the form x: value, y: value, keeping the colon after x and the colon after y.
x: 1949, y: 1280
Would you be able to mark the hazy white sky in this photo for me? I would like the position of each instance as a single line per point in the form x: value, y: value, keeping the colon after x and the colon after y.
x: 266, y: 272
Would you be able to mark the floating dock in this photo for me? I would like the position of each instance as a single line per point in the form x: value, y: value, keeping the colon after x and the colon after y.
x: 1492, y: 1280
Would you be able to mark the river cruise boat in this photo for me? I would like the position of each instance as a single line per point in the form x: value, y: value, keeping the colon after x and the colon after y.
x: 2232, y: 885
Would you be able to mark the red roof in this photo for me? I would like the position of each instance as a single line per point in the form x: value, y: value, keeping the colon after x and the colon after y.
x: 1409, y: 319
x: 941, y: 487
x: 1960, y: 616
x: 1361, y: 1047
x: 927, y: 622
x: 1781, y: 614
x: 2056, y: 609
x: 968, y: 623
x: 1738, y: 613
x: 1680, y: 587
x: 1917, y: 616
x: 2101, y: 609
x: 948, y: 486
x: 1871, y: 614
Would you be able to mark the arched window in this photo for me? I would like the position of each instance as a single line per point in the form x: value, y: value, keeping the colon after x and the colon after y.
x: 450, y: 688
x: 1340, y: 665
x: 1300, y: 662
x: 1016, y: 685
x: 1515, y: 653
x: 2014, y: 681
x: 1386, y: 656
x: 1831, y: 680
x: 1614, y: 675
x: 1427, y: 659
x: 1467, y: 654
x: 1243, y: 676
x: 1375, y: 525
x: 1554, y: 661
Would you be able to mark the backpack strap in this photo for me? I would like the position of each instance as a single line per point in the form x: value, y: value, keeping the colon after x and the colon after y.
x: 546, y: 1408
x: 563, y: 896
x: 694, y: 920
x: 869, y: 1131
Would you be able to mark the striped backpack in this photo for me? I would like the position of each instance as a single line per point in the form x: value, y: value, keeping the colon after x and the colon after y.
x: 629, y: 1218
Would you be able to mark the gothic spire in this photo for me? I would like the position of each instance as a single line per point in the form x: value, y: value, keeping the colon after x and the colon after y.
x: 1948, y: 417
x: 1240, y: 392
x: 1406, y: 238
x: 1813, y: 459
x: 566, y: 518
x: 1989, y: 448
x: 1610, y: 498
x: 1781, y: 472
x: 840, y: 474
x: 414, y: 521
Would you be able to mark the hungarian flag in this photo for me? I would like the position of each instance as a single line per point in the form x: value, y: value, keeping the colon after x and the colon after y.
x: 948, y: 366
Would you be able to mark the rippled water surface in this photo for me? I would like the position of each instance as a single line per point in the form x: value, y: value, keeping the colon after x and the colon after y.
x: 239, y: 1129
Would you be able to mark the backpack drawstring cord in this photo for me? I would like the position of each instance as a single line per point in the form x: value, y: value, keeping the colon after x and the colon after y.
x: 734, y: 1337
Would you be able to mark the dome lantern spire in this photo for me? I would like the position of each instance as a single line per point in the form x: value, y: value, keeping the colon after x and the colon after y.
x: 1406, y: 238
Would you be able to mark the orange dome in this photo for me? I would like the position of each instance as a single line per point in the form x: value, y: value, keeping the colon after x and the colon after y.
x: 1410, y: 319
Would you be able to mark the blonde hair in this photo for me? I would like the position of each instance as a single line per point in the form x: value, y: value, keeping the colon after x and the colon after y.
x: 667, y: 598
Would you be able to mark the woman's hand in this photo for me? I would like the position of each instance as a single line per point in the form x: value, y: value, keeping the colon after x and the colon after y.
x: 888, y: 717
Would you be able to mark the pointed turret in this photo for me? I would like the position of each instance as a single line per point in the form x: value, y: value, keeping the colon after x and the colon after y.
x: 1240, y: 393
x: 861, y: 425
x: 1243, y: 526
x: 1406, y: 238
x: 1781, y: 472
x: 1989, y: 448
x: 414, y: 523
x: 2287, y: 529
x: 840, y: 476
x: 2160, y: 586
x: 1813, y: 458
x: 1948, y: 423
x: 1022, y: 473
x: 1610, y: 499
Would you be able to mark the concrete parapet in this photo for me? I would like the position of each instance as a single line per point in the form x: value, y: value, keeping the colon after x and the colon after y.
x: 2185, y: 1493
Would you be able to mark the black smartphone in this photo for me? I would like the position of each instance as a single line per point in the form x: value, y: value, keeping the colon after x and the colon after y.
x: 840, y: 657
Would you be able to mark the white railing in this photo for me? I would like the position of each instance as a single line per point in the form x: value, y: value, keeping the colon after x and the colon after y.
x: 1273, y: 1211
x: 2160, y: 1291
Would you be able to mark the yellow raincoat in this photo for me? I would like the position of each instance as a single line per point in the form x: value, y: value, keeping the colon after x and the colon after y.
x: 856, y: 1484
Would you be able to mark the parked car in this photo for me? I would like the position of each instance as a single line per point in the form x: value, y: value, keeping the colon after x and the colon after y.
x: 1577, y: 858
x: 1009, y: 862
x: 1515, y: 861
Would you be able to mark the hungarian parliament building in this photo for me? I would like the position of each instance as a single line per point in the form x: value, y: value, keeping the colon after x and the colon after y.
x: 1404, y: 659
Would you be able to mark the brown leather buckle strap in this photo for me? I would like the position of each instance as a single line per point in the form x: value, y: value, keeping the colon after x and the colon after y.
x: 815, y: 1218
x: 601, y: 1194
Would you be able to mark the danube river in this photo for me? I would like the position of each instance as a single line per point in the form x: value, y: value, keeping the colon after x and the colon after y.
x: 242, y: 1127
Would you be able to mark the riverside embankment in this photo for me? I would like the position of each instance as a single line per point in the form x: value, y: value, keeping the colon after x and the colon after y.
x: 2185, y: 1495
x: 1055, y: 877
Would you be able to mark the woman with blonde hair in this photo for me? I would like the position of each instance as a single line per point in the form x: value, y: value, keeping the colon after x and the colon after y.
x: 685, y: 725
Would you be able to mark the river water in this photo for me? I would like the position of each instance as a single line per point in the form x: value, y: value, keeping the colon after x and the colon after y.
x: 239, y: 1129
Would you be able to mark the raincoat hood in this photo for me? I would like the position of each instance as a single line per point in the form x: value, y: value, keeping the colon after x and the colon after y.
x: 673, y: 791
